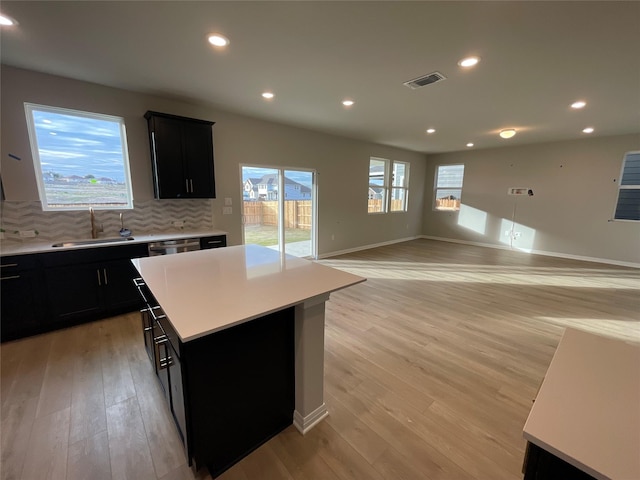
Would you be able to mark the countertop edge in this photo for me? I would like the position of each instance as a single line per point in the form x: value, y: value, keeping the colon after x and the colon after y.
x: 29, y: 248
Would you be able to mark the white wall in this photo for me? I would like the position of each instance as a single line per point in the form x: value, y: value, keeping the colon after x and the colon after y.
x: 574, y: 185
x: 342, y: 164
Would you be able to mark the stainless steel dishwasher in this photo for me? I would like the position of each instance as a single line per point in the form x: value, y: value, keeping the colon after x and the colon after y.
x: 166, y: 247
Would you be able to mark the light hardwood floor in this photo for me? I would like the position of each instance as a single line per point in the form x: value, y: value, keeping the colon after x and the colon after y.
x: 430, y: 372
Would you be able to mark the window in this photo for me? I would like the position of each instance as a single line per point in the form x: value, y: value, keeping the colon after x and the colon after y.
x: 80, y: 159
x: 448, y: 187
x: 628, y: 203
x: 388, y: 177
x: 400, y: 187
x: 377, y: 185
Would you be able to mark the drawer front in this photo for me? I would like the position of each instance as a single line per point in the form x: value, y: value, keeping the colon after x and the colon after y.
x: 216, y: 241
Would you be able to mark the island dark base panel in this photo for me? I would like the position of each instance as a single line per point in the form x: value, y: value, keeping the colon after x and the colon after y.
x: 542, y: 465
x: 240, y: 386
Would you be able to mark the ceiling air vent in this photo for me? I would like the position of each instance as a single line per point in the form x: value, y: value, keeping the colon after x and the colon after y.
x: 425, y: 80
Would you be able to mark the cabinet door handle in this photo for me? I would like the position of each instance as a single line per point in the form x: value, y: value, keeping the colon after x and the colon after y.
x: 214, y: 242
x: 106, y: 280
x: 186, y: 184
x: 9, y: 265
x: 99, y: 282
x: 191, y: 184
x: 12, y: 277
x: 144, y: 315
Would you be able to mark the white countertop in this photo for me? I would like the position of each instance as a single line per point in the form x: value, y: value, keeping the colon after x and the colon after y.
x: 41, y: 246
x: 587, y: 411
x: 206, y: 291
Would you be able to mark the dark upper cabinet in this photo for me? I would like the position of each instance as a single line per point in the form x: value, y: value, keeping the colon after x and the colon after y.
x: 181, y: 156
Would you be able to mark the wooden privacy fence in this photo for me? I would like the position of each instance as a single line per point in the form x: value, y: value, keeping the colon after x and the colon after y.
x: 375, y: 205
x: 447, y: 203
x: 297, y: 213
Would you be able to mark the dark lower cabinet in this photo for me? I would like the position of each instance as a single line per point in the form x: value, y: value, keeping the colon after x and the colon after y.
x: 230, y: 391
x: 20, y: 300
x: 91, y: 283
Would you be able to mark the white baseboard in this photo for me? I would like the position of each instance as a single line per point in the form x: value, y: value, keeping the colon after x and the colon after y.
x: 304, y: 424
x: 367, y: 247
x: 536, y: 252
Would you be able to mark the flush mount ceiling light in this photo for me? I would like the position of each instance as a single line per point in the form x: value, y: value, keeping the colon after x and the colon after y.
x: 218, y: 40
x: 507, y: 132
x: 268, y: 95
x: 6, y: 21
x: 347, y: 103
x: 469, y: 62
x: 588, y: 130
x: 431, y: 130
x: 579, y: 104
x: 469, y: 144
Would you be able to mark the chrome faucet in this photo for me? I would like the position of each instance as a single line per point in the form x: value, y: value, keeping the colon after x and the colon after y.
x: 94, y: 227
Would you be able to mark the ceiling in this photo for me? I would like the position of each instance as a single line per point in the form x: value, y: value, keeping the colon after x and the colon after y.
x: 536, y: 59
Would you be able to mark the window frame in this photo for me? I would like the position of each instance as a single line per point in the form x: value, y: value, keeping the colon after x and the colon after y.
x: 30, y: 108
x: 436, y: 188
x: 624, y: 187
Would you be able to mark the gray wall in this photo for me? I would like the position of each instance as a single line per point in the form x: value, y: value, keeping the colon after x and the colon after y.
x: 342, y: 164
x: 575, y: 188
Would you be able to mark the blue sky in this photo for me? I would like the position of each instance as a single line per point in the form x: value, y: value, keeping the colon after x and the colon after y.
x: 74, y: 145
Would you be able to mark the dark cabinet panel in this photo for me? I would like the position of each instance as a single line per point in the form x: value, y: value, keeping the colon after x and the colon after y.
x: 74, y: 291
x: 120, y: 293
x: 181, y: 156
x: 198, y: 153
x: 20, y: 306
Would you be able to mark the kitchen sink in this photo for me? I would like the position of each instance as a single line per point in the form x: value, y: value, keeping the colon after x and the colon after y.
x: 97, y: 241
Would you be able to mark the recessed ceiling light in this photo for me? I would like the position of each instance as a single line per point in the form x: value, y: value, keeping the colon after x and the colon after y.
x: 431, y: 130
x: 347, y: 103
x: 7, y: 21
x: 218, y: 40
x: 579, y: 104
x: 469, y: 62
x: 507, y: 132
x: 588, y: 130
x: 469, y: 144
x: 268, y: 95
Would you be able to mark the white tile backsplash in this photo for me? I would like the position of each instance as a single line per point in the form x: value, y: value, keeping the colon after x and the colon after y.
x: 147, y: 217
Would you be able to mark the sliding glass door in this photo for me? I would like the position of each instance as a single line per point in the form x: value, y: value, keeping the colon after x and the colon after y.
x: 279, y: 209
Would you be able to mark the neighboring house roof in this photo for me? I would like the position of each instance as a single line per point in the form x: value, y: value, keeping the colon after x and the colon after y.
x: 271, y: 180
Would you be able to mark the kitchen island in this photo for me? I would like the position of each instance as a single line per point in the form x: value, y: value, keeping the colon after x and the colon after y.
x: 237, y: 339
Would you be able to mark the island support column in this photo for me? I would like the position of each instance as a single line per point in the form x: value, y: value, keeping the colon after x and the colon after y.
x: 309, y: 357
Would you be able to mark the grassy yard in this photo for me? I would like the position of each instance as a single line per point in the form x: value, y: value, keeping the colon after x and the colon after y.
x: 267, y: 235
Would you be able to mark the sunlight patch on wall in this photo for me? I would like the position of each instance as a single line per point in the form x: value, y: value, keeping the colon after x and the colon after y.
x: 473, y: 219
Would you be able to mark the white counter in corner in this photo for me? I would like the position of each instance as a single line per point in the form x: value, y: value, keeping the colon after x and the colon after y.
x: 587, y: 411
x: 29, y: 246
x: 206, y: 291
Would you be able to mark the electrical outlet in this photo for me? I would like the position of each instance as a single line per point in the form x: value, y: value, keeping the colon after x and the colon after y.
x: 227, y: 210
x: 27, y: 233
x: 227, y: 201
x: 517, y: 234
x: 178, y: 223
